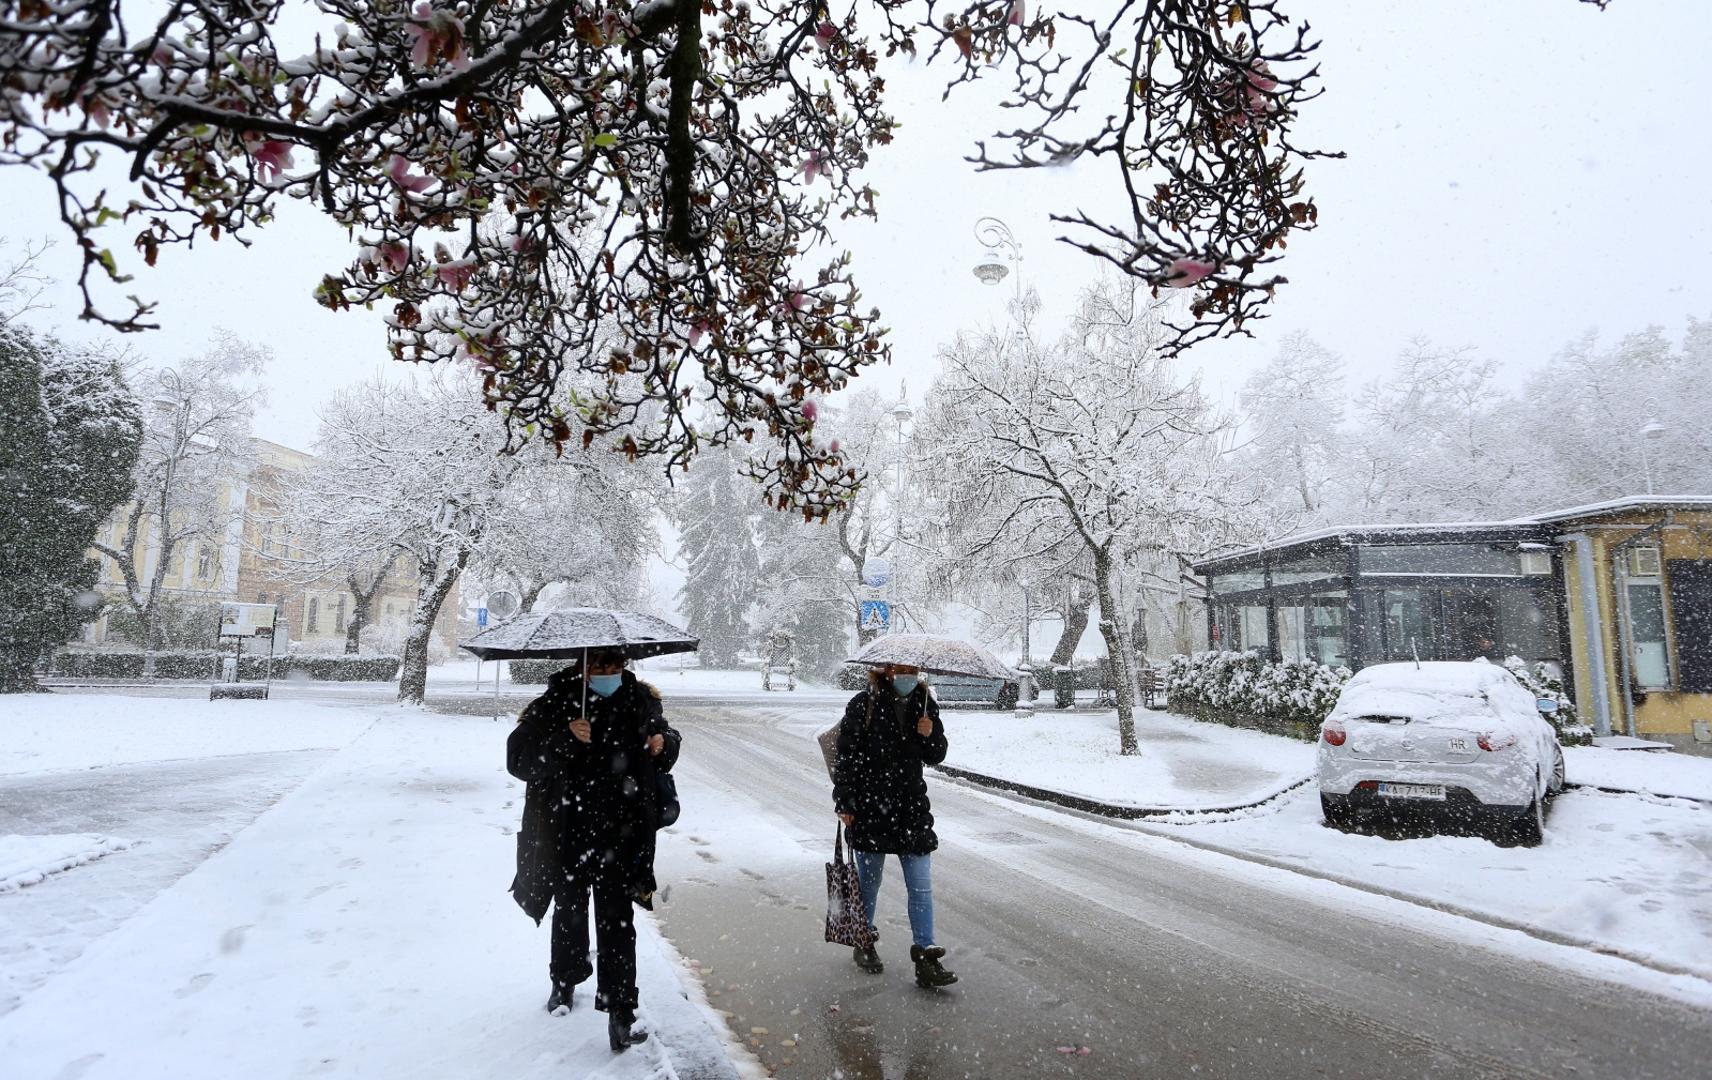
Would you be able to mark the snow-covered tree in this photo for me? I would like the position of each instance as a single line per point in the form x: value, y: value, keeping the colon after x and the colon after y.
x: 707, y: 147
x: 574, y: 528
x: 1095, y: 441
x: 1294, y: 406
x: 722, y: 559
x: 415, y: 468
x: 188, y: 490
x: 70, y: 432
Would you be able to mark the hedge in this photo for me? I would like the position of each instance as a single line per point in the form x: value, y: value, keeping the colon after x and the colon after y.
x: 206, y: 665
x: 1243, y: 689
x: 535, y: 672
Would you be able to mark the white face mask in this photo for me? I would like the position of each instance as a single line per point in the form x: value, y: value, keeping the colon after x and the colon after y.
x: 905, y: 685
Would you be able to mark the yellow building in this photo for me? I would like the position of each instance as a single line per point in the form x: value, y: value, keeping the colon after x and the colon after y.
x: 252, y: 563
x: 1638, y: 596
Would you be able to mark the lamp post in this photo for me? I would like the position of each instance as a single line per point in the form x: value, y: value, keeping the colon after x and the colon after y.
x: 901, y: 414
x: 1651, y: 432
x: 1002, y: 248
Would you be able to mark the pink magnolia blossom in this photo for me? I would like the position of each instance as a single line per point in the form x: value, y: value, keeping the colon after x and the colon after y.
x: 394, y: 255
x: 1018, y: 13
x: 96, y: 110
x: 398, y: 170
x: 272, y: 157
x: 816, y: 165
x: 455, y: 274
x: 832, y: 447
x: 797, y: 302
x: 810, y: 410
x: 825, y: 34
x: 698, y: 330
x: 439, y: 35
x: 522, y: 244
x: 1186, y: 271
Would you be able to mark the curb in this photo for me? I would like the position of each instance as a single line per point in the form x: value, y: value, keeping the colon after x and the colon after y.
x: 1103, y: 809
x: 1130, y: 818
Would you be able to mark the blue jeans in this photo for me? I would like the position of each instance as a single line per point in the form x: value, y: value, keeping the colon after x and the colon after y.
x: 918, y: 882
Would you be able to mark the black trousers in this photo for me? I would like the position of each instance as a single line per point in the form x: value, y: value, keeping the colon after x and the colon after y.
x: 615, y: 939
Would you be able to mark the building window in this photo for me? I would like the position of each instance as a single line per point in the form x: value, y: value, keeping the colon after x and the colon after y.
x: 1643, y: 607
x: 339, y: 615
x: 204, y: 561
x: 312, y: 616
x: 1408, y: 624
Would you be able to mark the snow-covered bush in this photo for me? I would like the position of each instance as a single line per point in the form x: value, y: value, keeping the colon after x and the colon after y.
x: 387, y: 637
x: 206, y: 665
x: 535, y: 672
x: 1542, y: 682
x: 1290, y: 696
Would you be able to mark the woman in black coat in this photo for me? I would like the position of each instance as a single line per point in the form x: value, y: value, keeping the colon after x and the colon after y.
x: 889, y: 731
x: 589, y: 815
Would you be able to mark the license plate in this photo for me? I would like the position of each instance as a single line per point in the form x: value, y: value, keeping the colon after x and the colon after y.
x: 1412, y: 791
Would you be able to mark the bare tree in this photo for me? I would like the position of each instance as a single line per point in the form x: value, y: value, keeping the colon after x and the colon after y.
x: 1094, y: 444
x: 22, y: 281
x: 190, y: 475
x: 708, y: 147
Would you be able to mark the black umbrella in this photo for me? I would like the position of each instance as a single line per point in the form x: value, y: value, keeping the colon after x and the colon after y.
x: 576, y: 632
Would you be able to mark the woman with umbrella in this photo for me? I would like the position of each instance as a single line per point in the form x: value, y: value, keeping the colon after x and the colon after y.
x: 592, y: 751
x: 889, y: 731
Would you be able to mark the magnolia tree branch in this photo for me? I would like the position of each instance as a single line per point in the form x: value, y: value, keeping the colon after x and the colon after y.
x: 549, y: 191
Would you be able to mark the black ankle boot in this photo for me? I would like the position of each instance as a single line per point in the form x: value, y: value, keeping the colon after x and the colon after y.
x: 868, y: 959
x: 619, y: 1033
x: 929, y: 972
x: 560, y: 998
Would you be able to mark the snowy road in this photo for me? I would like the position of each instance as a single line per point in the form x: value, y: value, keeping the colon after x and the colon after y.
x: 1161, y: 960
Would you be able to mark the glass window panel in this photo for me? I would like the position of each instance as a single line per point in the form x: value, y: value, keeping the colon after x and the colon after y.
x: 1481, y: 560
x: 1331, y: 564
x: 1241, y: 581
x: 1252, y: 620
x: 1646, y: 631
x: 1469, y: 625
x: 1328, y: 636
x: 1527, y: 624
x: 1408, y: 624
x: 1292, y: 630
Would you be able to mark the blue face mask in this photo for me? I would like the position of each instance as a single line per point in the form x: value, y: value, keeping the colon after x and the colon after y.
x: 905, y: 684
x: 605, y: 685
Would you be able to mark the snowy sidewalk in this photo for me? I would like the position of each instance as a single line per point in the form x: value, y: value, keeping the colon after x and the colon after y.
x: 1624, y: 873
x: 358, y: 927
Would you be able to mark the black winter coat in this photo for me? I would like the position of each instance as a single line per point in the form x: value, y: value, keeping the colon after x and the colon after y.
x: 590, y: 808
x: 877, y: 775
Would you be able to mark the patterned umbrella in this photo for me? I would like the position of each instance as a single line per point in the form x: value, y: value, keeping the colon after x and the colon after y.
x: 934, y: 655
x: 563, y: 635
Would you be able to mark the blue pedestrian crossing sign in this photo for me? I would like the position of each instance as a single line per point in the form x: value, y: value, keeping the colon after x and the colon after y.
x: 481, y: 616
x: 875, y: 615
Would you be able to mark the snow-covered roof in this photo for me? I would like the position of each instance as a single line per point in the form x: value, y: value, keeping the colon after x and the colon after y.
x: 1633, y: 503
x: 1518, y: 528
x: 1513, y: 528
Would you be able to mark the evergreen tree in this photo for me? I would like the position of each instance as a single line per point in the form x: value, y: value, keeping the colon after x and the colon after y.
x: 70, y: 432
x: 716, y: 538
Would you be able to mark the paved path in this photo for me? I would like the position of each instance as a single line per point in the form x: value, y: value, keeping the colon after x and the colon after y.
x: 1162, y: 961
x: 177, y: 812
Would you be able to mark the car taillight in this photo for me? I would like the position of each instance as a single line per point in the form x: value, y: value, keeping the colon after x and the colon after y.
x: 1333, y: 734
x: 1490, y: 741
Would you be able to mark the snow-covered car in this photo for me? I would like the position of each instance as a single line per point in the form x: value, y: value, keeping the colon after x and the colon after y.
x: 1441, y: 739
